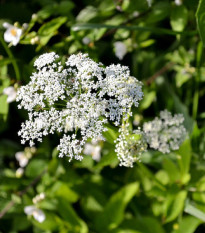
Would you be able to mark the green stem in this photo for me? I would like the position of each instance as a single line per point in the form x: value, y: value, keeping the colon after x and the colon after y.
x: 197, y: 80
x: 78, y: 27
x: 11, y: 56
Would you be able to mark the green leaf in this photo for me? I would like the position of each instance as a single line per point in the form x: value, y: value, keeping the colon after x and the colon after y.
x: 75, y: 224
x: 172, y: 170
x: 160, y: 11
x: 87, y: 14
x: 188, y: 225
x: 179, y: 16
x: 107, y: 159
x: 144, y: 224
x: 200, y: 18
x: 49, y: 29
x: 192, y: 210
x: 113, y: 213
x: 50, y: 222
x: 36, y: 167
x: 4, y: 107
x: 184, y: 153
x: 61, y: 189
x: 111, y: 134
x: 177, y: 206
x: 148, y: 99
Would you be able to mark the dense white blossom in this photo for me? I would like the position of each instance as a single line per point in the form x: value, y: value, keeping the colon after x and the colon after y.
x: 165, y: 133
x: 130, y: 145
x: 76, y: 100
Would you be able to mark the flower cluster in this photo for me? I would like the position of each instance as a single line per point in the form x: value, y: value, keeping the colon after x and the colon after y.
x: 165, y: 133
x: 76, y: 99
x: 130, y: 145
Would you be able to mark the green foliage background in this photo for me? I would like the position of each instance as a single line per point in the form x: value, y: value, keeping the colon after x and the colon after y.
x: 165, y: 193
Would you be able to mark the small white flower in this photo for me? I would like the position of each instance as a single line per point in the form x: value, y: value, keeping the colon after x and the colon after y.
x: 93, y: 150
x: 86, y: 40
x: 120, y: 49
x: 12, y: 34
x: 19, y: 172
x: 178, y: 2
x: 11, y: 93
x: 35, y: 212
x: 34, y: 17
x: 22, y: 158
x: 38, y: 198
x: 149, y: 2
x: 34, y: 40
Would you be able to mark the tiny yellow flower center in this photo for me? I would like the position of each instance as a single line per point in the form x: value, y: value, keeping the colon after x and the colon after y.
x: 13, y: 32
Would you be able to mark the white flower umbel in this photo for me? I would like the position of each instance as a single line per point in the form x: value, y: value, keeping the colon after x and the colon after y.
x: 11, y: 93
x: 12, y: 33
x: 76, y: 100
x: 165, y: 133
x: 120, y: 49
x: 38, y: 214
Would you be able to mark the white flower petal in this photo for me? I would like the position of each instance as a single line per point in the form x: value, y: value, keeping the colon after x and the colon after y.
x: 29, y: 209
x: 120, y: 49
x: 7, y: 36
x: 7, y: 25
x: 39, y: 215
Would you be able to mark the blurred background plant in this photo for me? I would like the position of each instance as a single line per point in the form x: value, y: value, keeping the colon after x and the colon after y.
x: 163, y: 47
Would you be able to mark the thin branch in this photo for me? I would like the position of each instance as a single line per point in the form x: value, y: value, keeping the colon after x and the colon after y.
x: 21, y: 193
x: 164, y: 69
